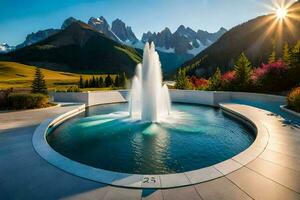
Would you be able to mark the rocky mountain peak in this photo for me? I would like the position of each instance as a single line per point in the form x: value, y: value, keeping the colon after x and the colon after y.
x: 68, y: 22
x: 123, y: 32
x: 166, y: 31
x: 101, y: 25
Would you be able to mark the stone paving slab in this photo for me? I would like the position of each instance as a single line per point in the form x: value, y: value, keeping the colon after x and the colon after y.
x: 260, y: 187
x: 203, y: 175
x: 288, y: 150
x: 189, y: 193
x: 287, y: 177
x: 281, y: 159
x: 174, y: 180
x: 227, y: 166
x: 221, y: 189
x: 114, y: 193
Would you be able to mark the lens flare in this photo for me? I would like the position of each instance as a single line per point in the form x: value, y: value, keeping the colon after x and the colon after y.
x: 281, y: 13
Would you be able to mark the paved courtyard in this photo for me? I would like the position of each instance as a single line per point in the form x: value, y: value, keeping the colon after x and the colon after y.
x: 275, y: 174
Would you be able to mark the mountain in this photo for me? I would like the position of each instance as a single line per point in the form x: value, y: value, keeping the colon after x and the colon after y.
x: 255, y: 38
x: 78, y: 48
x: 183, y: 41
x: 101, y: 25
x: 123, y: 32
x: 174, y: 48
x: 68, y: 22
x: 43, y: 34
x: 4, y: 48
x: 38, y: 36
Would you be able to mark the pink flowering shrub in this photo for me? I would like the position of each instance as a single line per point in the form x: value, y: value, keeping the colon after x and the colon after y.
x: 271, y: 77
x: 229, y: 81
x: 228, y: 76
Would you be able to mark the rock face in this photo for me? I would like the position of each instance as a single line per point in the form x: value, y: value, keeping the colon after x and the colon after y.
x: 123, y: 32
x: 4, y: 48
x: 183, y: 40
x: 101, y: 25
x: 38, y: 36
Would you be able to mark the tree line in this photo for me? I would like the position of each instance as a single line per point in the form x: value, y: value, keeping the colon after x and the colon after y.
x: 100, y: 82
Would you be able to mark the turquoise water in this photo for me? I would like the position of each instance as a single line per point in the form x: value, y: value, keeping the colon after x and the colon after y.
x: 192, y: 137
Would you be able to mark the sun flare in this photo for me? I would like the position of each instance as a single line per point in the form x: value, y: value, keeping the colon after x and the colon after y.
x: 281, y: 13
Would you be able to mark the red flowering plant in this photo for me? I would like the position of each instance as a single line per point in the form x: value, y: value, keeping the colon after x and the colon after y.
x: 228, y: 80
x: 198, y: 83
x: 271, y: 77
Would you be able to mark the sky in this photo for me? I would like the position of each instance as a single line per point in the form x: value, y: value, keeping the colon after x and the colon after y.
x: 21, y: 17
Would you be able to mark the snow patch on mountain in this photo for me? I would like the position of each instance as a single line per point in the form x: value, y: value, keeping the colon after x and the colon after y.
x: 4, y: 48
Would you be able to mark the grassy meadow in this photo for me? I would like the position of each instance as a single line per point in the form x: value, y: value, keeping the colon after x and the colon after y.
x: 20, y: 76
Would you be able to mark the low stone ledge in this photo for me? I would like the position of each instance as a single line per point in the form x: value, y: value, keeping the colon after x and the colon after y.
x: 285, y: 109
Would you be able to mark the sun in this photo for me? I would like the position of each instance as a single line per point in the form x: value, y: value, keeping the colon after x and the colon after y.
x: 281, y: 13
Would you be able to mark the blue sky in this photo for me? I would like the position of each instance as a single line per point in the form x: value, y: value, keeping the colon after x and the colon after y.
x: 20, y: 17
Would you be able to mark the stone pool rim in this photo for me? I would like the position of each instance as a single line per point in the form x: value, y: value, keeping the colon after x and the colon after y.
x: 139, y: 181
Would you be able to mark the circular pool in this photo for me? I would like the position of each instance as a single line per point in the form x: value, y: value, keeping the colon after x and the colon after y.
x: 190, y: 138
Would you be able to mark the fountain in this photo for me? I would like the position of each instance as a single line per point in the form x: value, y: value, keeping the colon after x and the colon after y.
x: 149, y: 99
x: 190, y: 138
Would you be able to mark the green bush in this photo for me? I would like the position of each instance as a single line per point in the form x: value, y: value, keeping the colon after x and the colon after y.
x: 4, y: 98
x: 27, y: 101
x: 69, y: 89
x: 73, y: 89
x: 293, y: 99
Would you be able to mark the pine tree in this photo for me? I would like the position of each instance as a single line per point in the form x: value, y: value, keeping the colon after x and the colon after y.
x: 108, y: 81
x: 243, y: 69
x: 117, y: 81
x: 93, y: 82
x: 286, y: 54
x: 39, y: 84
x: 86, y: 84
x: 90, y: 83
x: 81, y: 84
x: 182, y: 82
x: 101, y: 82
x: 294, y: 70
x: 97, y: 82
x: 272, y: 57
x: 122, y: 80
x: 214, y: 83
x: 295, y: 55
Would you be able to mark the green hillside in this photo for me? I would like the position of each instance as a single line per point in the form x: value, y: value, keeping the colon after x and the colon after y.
x: 20, y: 76
x: 78, y: 48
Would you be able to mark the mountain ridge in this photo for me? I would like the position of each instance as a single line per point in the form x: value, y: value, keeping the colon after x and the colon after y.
x: 180, y: 42
x: 252, y: 38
